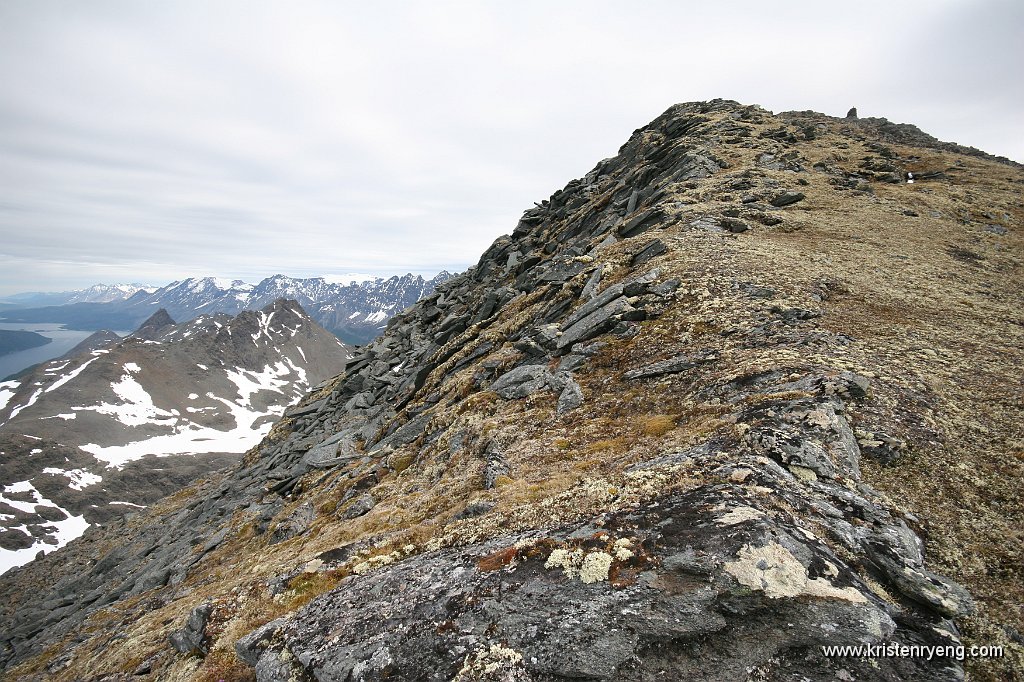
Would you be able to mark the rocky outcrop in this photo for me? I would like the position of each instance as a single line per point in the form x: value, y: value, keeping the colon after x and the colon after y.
x: 742, y: 565
x: 629, y: 443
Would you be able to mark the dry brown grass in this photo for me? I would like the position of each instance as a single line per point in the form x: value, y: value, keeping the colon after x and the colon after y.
x: 657, y: 425
x: 224, y: 666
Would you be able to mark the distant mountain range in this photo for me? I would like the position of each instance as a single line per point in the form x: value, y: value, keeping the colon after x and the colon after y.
x: 78, y: 434
x: 355, y: 312
x: 97, y: 293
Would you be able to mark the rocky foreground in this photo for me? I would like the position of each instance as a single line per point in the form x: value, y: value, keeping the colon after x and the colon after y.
x: 739, y: 393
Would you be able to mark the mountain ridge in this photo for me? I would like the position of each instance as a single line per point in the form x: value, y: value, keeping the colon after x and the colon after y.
x: 353, y: 311
x: 738, y: 393
x: 169, y: 402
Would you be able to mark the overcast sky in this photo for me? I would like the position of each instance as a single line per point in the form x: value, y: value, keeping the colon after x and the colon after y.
x: 151, y: 141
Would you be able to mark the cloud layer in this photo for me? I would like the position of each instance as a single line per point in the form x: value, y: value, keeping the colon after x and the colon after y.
x: 153, y: 141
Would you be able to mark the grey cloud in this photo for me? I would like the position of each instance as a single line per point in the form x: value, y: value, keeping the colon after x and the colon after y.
x: 152, y: 141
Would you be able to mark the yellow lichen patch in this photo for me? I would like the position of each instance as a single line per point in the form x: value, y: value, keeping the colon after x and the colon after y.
x: 774, y: 570
x: 595, y: 567
x: 621, y: 549
x: 568, y: 560
x: 486, y: 663
x: 805, y: 474
x: 739, y: 515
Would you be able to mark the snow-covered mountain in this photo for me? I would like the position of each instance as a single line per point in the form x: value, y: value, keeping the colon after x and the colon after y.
x: 78, y: 435
x: 97, y: 293
x: 355, y: 311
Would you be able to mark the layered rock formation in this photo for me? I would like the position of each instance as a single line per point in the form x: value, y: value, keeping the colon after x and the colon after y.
x: 643, y: 438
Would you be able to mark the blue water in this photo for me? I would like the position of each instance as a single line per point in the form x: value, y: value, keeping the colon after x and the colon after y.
x: 63, y: 341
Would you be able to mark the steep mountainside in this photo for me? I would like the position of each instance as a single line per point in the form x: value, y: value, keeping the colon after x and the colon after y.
x: 78, y: 435
x: 739, y: 393
x: 356, y: 312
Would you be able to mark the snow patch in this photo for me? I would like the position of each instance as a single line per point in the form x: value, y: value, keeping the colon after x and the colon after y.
x: 376, y: 316
x: 137, y: 407
x: 68, y: 377
x: 249, y: 382
x: 31, y: 401
x: 7, y: 389
x: 190, y: 439
x: 80, y: 478
x: 58, y: 533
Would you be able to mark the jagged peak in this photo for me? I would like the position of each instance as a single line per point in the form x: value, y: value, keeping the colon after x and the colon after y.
x: 154, y: 326
x: 289, y: 305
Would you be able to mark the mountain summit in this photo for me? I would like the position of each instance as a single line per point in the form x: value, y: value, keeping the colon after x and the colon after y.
x: 154, y: 326
x: 739, y: 395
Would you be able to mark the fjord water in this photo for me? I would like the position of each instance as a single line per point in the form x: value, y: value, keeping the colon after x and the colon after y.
x: 63, y: 341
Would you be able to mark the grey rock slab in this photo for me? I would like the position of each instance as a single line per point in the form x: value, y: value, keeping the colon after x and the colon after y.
x: 250, y: 647
x: 642, y: 284
x: 522, y: 381
x: 666, y: 288
x: 272, y: 667
x: 300, y: 411
x: 787, y: 198
x: 192, y: 638
x: 702, y: 566
x: 570, y: 398
x: 641, y: 222
x: 590, y: 288
x: 362, y: 505
x: 594, y: 324
x: 335, y: 450
x: 670, y: 366
x: 734, y: 225
x: 571, y: 362
x: 408, y: 432
x: 295, y: 524
x: 595, y: 303
x: 652, y: 250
